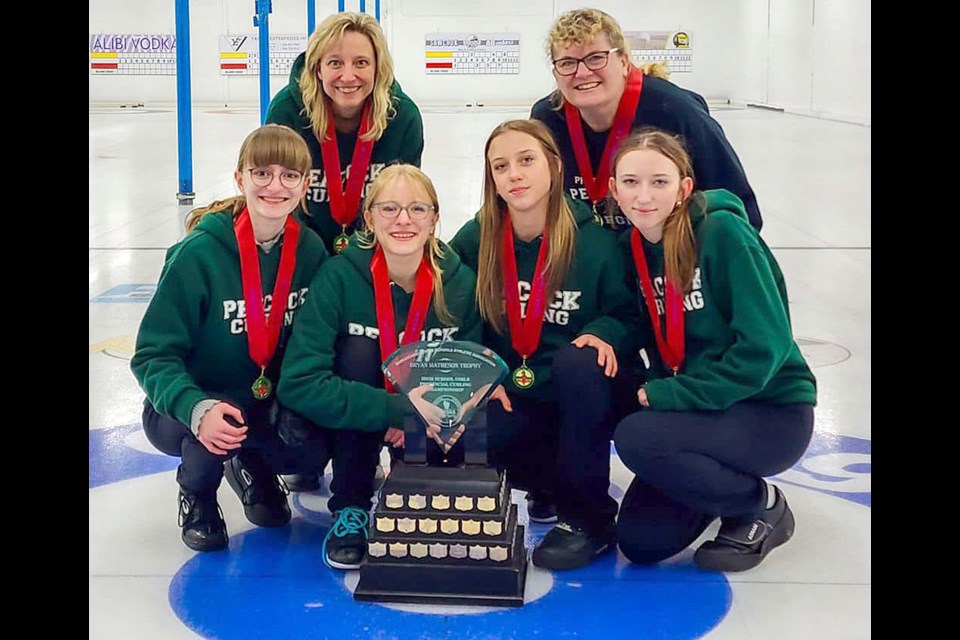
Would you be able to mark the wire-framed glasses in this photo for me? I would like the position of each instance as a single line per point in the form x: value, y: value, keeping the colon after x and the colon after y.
x: 594, y: 61
x: 262, y: 177
x: 391, y: 209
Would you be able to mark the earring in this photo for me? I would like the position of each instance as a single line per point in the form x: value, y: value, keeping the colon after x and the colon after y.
x: 679, y: 204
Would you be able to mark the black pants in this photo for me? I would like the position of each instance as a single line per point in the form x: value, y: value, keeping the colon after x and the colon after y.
x: 354, y: 453
x: 692, y: 467
x: 200, y: 471
x: 560, y: 446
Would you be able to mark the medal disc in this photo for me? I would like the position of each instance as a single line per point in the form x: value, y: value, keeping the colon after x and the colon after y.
x: 340, y: 242
x: 261, y: 388
x: 523, y: 377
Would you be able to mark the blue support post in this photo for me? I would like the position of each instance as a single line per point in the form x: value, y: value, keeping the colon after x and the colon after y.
x: 262, y: 20
x: 363, y: 9
x: 185, y: 192
x: 311, y: 16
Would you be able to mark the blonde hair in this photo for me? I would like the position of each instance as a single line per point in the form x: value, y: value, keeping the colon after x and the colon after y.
x: 561, y: 227
x: 432, y: 250
x: 266, y: 145
x: 315, y: 103
x: 679, y: 243
x: 580, y: 26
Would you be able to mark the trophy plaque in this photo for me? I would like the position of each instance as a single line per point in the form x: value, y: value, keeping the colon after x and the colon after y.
x: 444, y: 532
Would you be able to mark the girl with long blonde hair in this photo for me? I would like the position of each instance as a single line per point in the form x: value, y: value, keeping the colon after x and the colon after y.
x: 343, y: 99
x: 394, y: 284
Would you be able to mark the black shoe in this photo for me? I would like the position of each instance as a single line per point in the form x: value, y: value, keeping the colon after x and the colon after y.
x: 302, y: 482
x: 569, y: 547
x: 346, y: 543
x: 262, y: 493
x: 541, y: 509
x: 740, y: 546
x: 201, y: 522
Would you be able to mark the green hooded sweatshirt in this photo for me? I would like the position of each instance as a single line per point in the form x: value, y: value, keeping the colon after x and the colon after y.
x: 593, y: 297
x: 192, y: 342
x: 402, y: 140
x: 342, y: 304
x: 738, y: 340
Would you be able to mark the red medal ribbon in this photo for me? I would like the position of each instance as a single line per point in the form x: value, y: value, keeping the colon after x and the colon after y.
x: 671, y: 349
x: 264, y: 333
x: 344, y: 208
x: 422, y: 293
x: 622, y: 121
x: 524, y: 333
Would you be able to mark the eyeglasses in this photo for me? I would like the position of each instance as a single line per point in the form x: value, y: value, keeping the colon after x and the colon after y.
x: 262, y: 177
x: 593, y: 61
x: 391, y: 209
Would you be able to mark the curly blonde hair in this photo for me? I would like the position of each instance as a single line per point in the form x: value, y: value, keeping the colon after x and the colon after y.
x: 580, y: 26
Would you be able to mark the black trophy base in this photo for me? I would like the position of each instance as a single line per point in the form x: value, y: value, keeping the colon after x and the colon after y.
x: 497, y: 586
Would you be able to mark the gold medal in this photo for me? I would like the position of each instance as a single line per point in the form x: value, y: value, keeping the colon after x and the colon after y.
x: 597, y: 218
x: 523, y: 376
x: 261, y: 387
x: 340, y: 242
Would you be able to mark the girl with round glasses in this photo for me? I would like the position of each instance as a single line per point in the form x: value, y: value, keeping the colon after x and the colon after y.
x: 551, y: 287
x: 601, y: 95
x: 343, y: 99
x: 209, y: 346
x: 395, y: 283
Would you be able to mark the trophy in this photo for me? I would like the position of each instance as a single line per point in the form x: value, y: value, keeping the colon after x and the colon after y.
x: 444, y: 529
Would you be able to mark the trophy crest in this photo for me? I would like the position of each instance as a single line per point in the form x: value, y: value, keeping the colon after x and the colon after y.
x: 447, y: 383
x: 445, y: 532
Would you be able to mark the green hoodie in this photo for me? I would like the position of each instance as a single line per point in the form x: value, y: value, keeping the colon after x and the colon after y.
x: 592, y: 299
x: 402, y: 140
x: 342, y: 304
x: 738, y: 340
x: 192, y: 342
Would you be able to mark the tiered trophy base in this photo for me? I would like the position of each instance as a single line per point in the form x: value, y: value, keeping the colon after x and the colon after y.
x: 480, y: 556
x: 500, y: 586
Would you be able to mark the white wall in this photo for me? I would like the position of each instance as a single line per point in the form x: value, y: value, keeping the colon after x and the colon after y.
x: 805, y: 56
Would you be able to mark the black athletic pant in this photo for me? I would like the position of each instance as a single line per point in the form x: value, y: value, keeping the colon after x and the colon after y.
x: 354, y: 453
x: 692, y: 467
x: 200, y: 471
x: 560, y: 447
